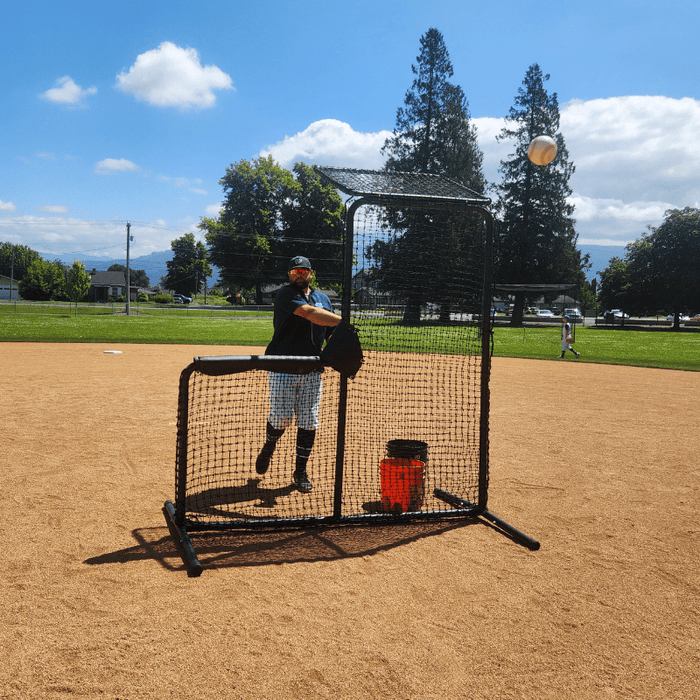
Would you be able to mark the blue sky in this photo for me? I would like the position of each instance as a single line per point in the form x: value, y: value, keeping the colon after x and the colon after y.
x: 132, y: 111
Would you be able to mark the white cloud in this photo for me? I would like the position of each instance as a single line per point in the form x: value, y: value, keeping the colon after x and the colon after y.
x: 54, y: 209
x: 67, y: 93
x: 213, y: 210
x: 635, y: 148
x: 171, y: 76
x: 183, y: 182
x: 109, y: 165
x: 74, y: 238
x: 330, y: 142
x: 6, y: 206
x: 588, y: 208
x: 635, y: 157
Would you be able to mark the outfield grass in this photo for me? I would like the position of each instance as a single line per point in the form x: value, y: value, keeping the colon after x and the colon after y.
x: 95, y: 324
x: 664, y: 349
x: 192, y: 326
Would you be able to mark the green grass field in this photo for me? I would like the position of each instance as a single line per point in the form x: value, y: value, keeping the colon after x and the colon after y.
x: 664, y: 349
x: 227, y: 326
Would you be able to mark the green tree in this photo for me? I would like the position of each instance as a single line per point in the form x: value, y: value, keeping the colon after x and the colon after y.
x: 189, y: 267
x: 16, y: 259
x: 43, y: 281
x: 241, y: 238
x: 433, y: 134
x: 137, y: 278
x: 537, y: 236
x: 269, y: 215
x: 661, y: 270
x: 613, y: 291
x: 313, y: 224
x: 77, y: 282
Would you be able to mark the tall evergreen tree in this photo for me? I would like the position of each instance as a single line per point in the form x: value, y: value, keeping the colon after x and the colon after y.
x: 433, y: 134
x: 537, y: 241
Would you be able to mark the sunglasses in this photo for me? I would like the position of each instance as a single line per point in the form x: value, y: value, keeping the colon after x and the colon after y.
x: 299, y: 270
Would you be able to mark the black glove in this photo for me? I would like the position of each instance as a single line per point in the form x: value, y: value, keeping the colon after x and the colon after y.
x: 343, y: 351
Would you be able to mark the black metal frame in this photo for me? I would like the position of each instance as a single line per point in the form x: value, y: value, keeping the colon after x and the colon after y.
x: 459, y: 199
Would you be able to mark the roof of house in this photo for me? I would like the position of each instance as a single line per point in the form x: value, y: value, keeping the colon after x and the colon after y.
x: 107, y: 279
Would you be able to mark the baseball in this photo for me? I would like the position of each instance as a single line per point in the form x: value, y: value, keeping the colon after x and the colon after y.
x: 542, y: 150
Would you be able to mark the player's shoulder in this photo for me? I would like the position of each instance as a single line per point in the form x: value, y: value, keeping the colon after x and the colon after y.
x: 318, y: 296
x: 288, y: 292
x: 318, y: 293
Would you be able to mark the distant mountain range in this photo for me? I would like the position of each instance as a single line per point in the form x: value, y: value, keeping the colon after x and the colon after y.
x: 155, y: 263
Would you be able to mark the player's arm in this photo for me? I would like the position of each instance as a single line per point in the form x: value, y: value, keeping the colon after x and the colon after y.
x: 320, y: 317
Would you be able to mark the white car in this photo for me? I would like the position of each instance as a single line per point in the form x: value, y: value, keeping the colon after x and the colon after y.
x: 573, y: 314
x: 682, y: 318
x: 545, y: 312
x: 617, y: 313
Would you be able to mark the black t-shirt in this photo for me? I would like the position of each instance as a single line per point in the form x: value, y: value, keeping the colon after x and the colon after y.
x: 293, y: 334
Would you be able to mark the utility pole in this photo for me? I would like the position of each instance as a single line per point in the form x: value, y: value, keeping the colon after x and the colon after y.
x: 128, y: 280
x: 12, y: 271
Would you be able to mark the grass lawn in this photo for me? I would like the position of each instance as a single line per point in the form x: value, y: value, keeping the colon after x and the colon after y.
x: 664, y: 348
x: 184, y: 326
x: 194, y: 326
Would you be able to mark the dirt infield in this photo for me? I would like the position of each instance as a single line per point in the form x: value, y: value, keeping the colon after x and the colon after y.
x: 598, y: 463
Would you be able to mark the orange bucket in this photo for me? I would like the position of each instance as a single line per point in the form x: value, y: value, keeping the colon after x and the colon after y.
x: 402, y: 484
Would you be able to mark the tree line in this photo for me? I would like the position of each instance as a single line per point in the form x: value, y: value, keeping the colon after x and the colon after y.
x: 660, y: 272
x: 51, y: 280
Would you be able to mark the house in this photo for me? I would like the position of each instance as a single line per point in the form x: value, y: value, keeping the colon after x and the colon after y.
x: 363, y: 279
x: 7, y: 286
x: 365, y: 292
x: 106, y: 285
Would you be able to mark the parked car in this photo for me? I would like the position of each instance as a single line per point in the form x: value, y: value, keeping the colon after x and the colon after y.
x: 617, y: 313
x: 545, y: 312
x: 573, y: 314
x: 181, y: 299
x: 531, y: 311
x: 682, y: 318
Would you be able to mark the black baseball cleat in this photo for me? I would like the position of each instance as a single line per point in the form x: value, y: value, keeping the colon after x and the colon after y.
x: 302, y: 481
x: 578, y: 354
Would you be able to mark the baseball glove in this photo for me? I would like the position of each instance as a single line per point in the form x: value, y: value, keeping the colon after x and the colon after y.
x: 570, y: 340
x: 343, y: 351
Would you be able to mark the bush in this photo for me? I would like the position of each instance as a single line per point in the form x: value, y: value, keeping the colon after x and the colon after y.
x: 163, y: 299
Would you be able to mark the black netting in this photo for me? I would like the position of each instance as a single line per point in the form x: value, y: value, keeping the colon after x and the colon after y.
x: 409, y: 435
x: 418, y: 186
